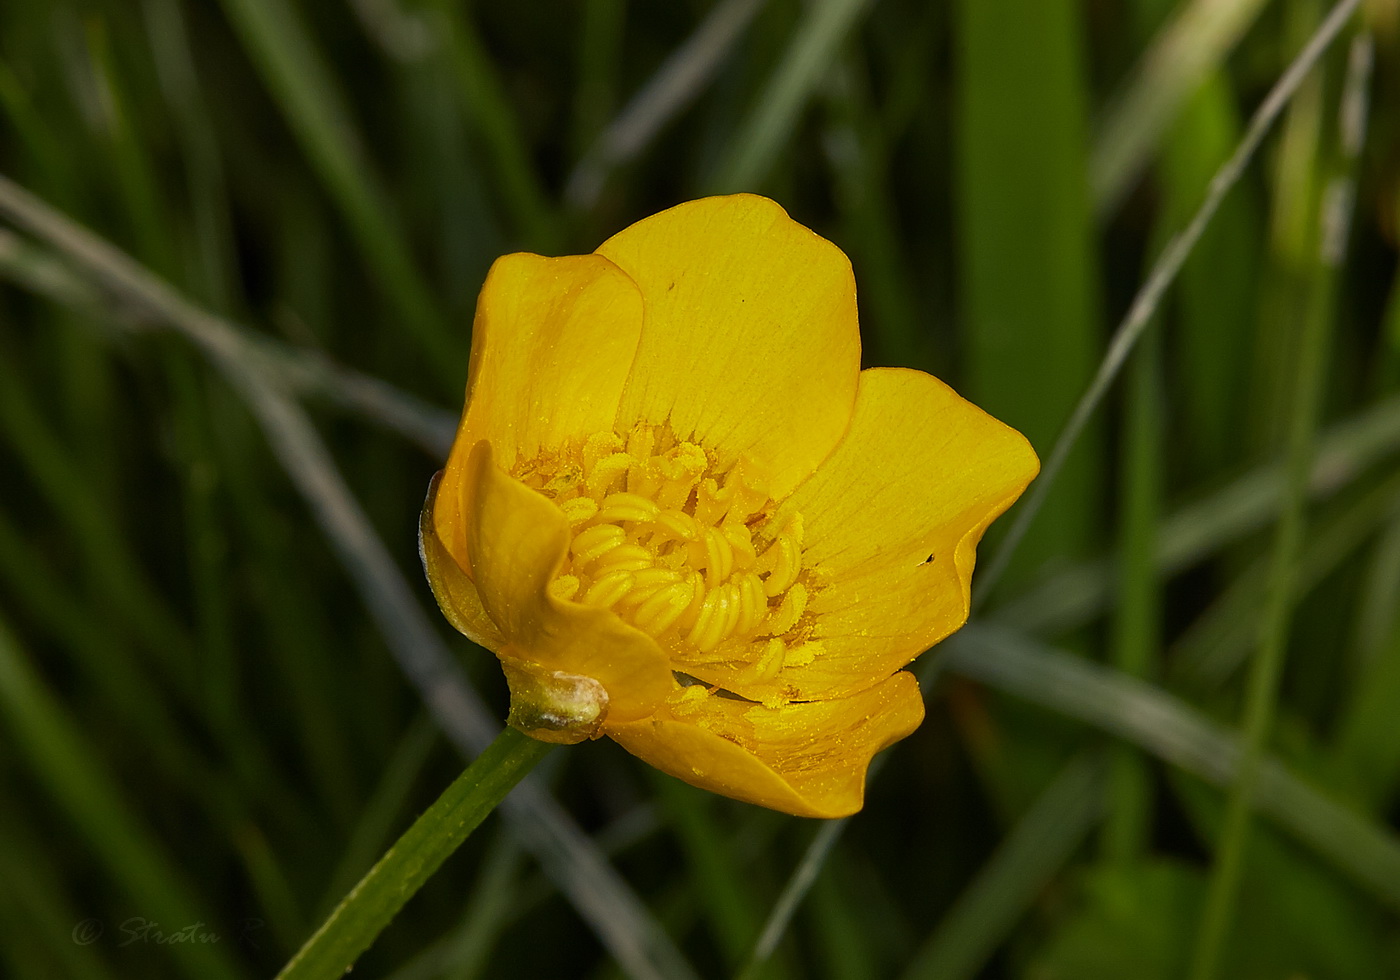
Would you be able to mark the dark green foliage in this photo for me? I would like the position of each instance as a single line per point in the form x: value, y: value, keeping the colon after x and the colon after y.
x: 203, y: 730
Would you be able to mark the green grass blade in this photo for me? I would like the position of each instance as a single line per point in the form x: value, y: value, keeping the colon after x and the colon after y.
x: 1029, y: 269
x: 1137, y: 619
x: 134, y: 600
x: 486, y: 915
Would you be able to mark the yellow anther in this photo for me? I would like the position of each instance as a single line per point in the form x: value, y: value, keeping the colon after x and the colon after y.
x: 709, y: 625
x: 656, y: 576
x: 660, y: 612
x: 785, y: 563
x: 631, y: 557
x: 661, y: 535
x: 677, y: 524
x: 794, y: 604
x: 578, y: 510
x: 599, y: 445
x: 598, y: 540
x: 649, y: 581
x: 741, y: 540
x: 768, y: 664
x: 719, y: 555
x: 627, y: 507
x: 606, y: 472
x: 711, y: 501
x: 683, y: 462
x: 605, y: 592
x: 753, y: 604
x: 697, y: 600
x: 732, y: 610
x: 564, y: 587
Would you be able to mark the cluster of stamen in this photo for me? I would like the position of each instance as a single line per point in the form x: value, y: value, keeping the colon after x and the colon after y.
x: 681, y: 545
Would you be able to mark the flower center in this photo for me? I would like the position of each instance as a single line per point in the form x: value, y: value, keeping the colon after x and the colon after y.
x: 683, y: 546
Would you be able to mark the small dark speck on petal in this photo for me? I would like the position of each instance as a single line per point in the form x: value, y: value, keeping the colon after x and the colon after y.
x: 670, y: 287
x: 927, y: 561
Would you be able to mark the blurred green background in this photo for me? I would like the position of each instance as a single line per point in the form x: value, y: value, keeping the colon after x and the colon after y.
x: 224, y: 689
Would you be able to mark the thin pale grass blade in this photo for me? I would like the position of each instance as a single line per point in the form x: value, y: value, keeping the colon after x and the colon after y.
x: 1029, y: 856
x: 1164, y: 271
x: 302, y: 371
x: 1218, y: 642
x: 754, y: 149
x: 679, y: 81
x: 1344, y: 453
x: 796, y: 889
x: 1192, y: 45
x: 581, y: 872
x: 1180, y: 735
x: 77, y: 779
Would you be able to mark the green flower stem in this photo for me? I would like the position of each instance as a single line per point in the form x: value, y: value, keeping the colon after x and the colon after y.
x: 404, y: 869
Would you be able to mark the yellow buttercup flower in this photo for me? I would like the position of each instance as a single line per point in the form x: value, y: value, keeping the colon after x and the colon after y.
x: 683, y: 517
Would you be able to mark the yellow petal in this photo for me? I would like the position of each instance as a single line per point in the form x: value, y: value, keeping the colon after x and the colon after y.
x: 455, y: 592
x: 517, y: 540
x: 892, y: 522
x: 552, y: 345
x: 750, y: 344
x: 805, y: 759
